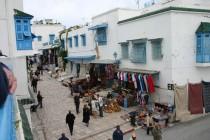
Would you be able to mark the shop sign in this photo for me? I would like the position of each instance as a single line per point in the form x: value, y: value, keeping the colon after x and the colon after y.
x: 170, y: 86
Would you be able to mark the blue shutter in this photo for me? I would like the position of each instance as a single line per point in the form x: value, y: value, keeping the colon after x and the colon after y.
x: 156, y: 50
x: 101, y: 36
x: 138, y: 54
x: 70, y: 42
x: 76, y: 41
x: 83, y: 40
x: 51, y: 38
x: 199, y: 50
x: 124, y: 51
x: 19, y: 30
x: 206, y: 49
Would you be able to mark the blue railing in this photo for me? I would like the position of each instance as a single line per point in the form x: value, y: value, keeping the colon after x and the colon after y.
x: 7, y: 120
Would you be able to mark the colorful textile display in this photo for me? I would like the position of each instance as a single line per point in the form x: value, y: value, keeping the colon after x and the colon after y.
x: 206, y: 96
x: 195, y: 98
x: 181, y: 103
x: 142, y: 82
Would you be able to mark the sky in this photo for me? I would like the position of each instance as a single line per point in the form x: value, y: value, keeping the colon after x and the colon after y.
x: 73, y: 12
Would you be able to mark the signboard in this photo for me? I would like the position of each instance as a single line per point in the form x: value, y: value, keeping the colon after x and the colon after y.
x: 170, y: 86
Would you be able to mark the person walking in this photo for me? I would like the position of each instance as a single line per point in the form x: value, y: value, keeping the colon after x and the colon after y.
x: 39, y: 99
x: 149, y: 120
x: 77, y: 102
x: 70, y: 121
x: 133, y: 137
x: 86, y: 115
x: 34, y: 83
x: 100, y: 102
x: 63, y: 137
x: 156, y: 132
x: 70, y: 84
x: 117, y: 134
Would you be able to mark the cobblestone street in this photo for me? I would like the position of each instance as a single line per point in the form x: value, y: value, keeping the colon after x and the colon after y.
x: 49, y: 122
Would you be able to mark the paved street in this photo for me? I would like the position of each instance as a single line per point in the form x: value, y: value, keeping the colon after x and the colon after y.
x: 198, y: 129
x: 49, y: 122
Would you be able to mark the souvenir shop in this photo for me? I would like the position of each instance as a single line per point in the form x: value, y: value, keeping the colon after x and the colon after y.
x: 191, y: 100
x: 134, y: 85
x: 102, y: 73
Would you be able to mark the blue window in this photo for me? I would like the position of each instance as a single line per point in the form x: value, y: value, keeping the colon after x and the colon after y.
x: 124, y: 50
x: 138, y: 53
x: 83, y: 39
x: 101, y: 36
x: 70, y: 42
x: 203, y: 48
x: 19, y: 30
x: 26, y: 25
x: 51, y: 38
x: 39, y: 38
x: 156, y: 49
x: 76, y: 41
x: 62, y: 43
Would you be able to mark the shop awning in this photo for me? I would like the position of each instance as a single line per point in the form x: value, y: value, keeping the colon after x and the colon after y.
x: 203, y: 28
x: 105, y: 61
x: 81, y: 58
x: 138, y: 71
x: 103, y: 25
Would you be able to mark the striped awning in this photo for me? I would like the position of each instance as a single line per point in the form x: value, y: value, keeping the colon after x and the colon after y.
x: 81, y: 58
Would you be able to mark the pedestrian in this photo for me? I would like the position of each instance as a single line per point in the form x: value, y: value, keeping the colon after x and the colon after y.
x: 77, y: 102
x: 100, y: 102
x: 70, y: 84
x: 63, y: 137
x: 34, y: 83
x: 133, y: 137
x: 156, y: 132
x: 70, y: 121
x: 39, y: 99
x: 149, y: 120
x: 118, y: 134
x: 86, y: 115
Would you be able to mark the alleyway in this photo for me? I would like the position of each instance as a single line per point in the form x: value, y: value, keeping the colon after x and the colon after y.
x: 49, y: 122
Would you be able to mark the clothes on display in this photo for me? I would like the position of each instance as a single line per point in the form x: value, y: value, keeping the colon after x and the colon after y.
x: 206, y: 96
x: 195, y: 98
x: 142, y: 82
x: 181, y: 103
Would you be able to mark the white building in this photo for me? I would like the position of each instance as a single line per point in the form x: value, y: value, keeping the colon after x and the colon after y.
x: 165, y: 37
x: 46, y: 32
x: 16, y: 43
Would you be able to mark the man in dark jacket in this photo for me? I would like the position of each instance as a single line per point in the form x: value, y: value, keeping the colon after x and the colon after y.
x: 118, y: 134
x: 63, y: 137
x: 70, y: 121
x: 39, y: 99
x: 77, y: 103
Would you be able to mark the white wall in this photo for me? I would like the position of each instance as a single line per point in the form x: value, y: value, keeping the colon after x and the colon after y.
x: 150, y: 28
x: 45, y: 30
x: 184, y: 26
x: 89, y: 49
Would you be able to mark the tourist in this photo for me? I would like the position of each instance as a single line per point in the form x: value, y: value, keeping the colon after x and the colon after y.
x: 86, y: 115
x: 149, y: 120
x: 70, y: 84
x: 63, y: 137
x: 77, y: 102
x: 133, y: 137
x: 118, y: 134
x: 156, y: 132
x: 70, y: 121
x: 39, y: 99
x: 34, y: 83
x: 100, y: 102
